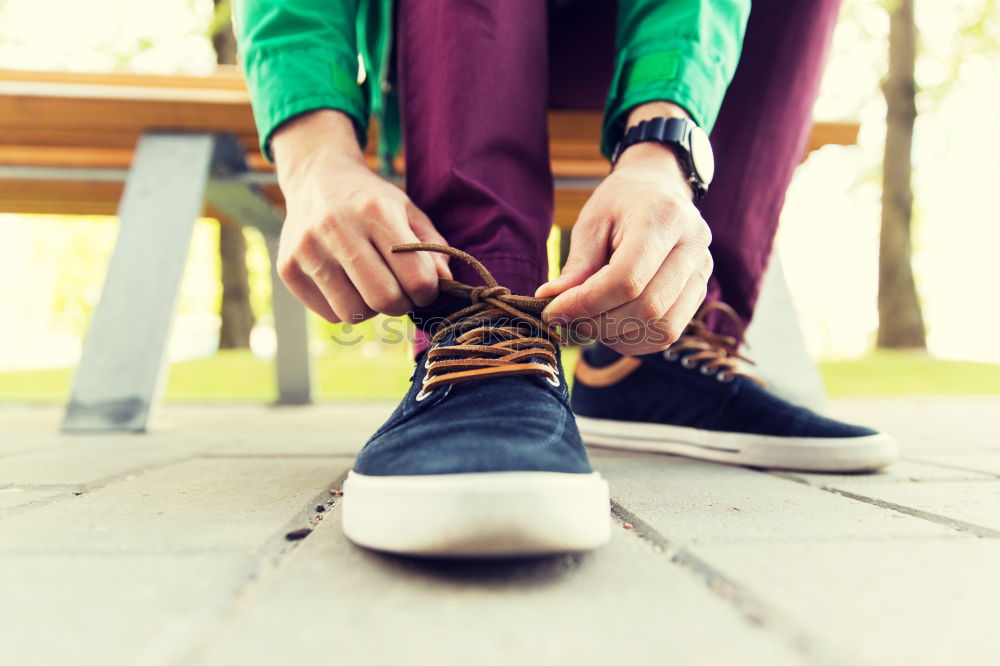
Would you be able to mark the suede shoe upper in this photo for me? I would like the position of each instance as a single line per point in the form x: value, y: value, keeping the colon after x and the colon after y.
x: 491, y: 425
x: 488, y: 396
x: 696, y: 383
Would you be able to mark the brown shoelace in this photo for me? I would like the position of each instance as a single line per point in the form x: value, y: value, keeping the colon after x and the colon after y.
x: 720, y: 351
x: 473, y: 355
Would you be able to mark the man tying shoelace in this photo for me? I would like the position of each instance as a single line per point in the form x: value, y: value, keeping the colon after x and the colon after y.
x: 484, y: 455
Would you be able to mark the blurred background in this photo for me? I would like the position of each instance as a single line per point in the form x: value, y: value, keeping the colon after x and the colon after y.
x: 936, y: 330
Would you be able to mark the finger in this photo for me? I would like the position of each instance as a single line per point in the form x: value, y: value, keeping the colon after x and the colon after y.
x: 376, y: 283
x: 686, y: 262
x: 306, y: 291
x: 684, y: 309
x: 664, y: 331
x: 588, y: 251
x: 330, y: 279
x: 425, y: 231
x: 415, y: 272
x: 631, y: 267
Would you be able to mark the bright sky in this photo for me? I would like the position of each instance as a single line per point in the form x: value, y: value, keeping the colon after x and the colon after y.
x: 829, y: 234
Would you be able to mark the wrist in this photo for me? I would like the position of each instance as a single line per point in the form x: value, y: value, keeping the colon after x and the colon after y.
x: 656, y: 156
x: 659, y: 160
x: 651, y: 110
x: 326, y: 134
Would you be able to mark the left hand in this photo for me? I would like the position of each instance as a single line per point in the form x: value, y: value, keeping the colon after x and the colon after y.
x: 638, y: 264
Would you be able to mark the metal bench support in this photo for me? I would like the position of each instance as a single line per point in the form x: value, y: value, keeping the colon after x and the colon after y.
x: 122, y: 370
x: 242, y: 201
x: 290, y: 326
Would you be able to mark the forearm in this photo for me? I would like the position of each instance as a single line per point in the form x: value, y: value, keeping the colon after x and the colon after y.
x: 681, y: 51
x: 299, y: 56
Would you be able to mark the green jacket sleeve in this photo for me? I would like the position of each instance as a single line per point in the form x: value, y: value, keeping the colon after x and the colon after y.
x: 298, y: 56
x: 680, y: 51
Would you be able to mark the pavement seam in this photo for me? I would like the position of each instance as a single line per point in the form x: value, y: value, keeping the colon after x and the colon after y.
x: 959, y: 468
x: 59, y: 496
x: 750, y: 607
x: 75, y: 490
x: 958, y: 525
x: 936, y: 518
x: 268, y: 559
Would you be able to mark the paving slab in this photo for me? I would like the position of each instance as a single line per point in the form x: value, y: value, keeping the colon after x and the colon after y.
x: 25, y: 418
x: 986, y: 462
x: 15, y: 498
x: 28, y: 428
x: 110, y: 610
x: 906, y: 603
x: 700, y: 502
x: 280, y: 419
x: 929, y: 423
x: 175, y: 554
x: 904, y: 471
x: 332, y: 440
x: 975, y: 503
x: 93, y: 459
x: 193, y: 506
x: 335, y: 603
x: 16, y: 443
x: 328, y: 430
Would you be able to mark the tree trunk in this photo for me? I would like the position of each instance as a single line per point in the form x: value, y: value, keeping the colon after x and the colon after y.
x: 237, y: 316
x: 901, y: 324
x: 235, y: 311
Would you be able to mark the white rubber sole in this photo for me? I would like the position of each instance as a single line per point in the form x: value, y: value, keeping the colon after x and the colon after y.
x: 493, y: 514
x: 806, y: 454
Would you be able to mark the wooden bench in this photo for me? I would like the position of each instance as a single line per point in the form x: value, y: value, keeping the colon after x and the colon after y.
x: 159, y: 151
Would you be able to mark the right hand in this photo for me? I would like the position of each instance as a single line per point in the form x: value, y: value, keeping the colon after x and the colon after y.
x: 335, y: 249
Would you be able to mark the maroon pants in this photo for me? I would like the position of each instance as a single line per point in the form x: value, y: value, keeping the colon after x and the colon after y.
x: 475, y: 88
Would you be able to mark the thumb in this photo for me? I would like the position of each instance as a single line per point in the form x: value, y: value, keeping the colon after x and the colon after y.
x: 424, y: 229
x: 588, y: 252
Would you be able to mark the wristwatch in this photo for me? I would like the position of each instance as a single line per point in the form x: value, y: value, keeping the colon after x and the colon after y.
x: 688, y: 141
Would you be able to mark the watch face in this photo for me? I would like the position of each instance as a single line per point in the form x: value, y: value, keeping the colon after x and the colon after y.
x: 701, y: 155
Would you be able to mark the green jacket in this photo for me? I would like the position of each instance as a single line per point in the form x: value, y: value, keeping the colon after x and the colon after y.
x: 302, y: 55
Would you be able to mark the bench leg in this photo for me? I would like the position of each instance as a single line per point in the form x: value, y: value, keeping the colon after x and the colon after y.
x: 122, y: 369
x: 243, y: 203
x: 291, y: 330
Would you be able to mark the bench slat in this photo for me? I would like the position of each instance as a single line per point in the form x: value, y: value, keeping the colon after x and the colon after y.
x: 93, y: 121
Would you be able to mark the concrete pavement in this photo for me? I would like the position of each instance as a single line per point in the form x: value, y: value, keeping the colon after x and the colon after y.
x: 170, y: 549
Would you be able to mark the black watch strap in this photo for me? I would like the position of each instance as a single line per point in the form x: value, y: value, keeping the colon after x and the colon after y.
x: 661, y: 130
x: 672, y: 132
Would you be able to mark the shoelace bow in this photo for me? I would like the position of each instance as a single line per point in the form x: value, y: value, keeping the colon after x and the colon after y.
x: 720, y: 351
x: 473, y: 356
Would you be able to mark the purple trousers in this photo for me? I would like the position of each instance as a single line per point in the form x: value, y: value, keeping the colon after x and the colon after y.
x: 478, y: 76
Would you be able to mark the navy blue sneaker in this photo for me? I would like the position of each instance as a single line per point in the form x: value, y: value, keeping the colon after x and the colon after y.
x: 695, y: 400
x: 482, y: 457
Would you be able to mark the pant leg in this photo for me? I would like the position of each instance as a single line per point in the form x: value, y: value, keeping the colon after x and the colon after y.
x: 759, y: 139
x: 581, y: 53
x: 473, y: 79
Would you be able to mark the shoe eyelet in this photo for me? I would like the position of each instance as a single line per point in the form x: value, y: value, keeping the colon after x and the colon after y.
x: 553, y: 379
x: 427, y: 378
x: 427, y: 361
x: 725, y: 377
x: 705, y: 370
x: 670, y: 355
x: 423, y: 394
x: 688, y: 363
